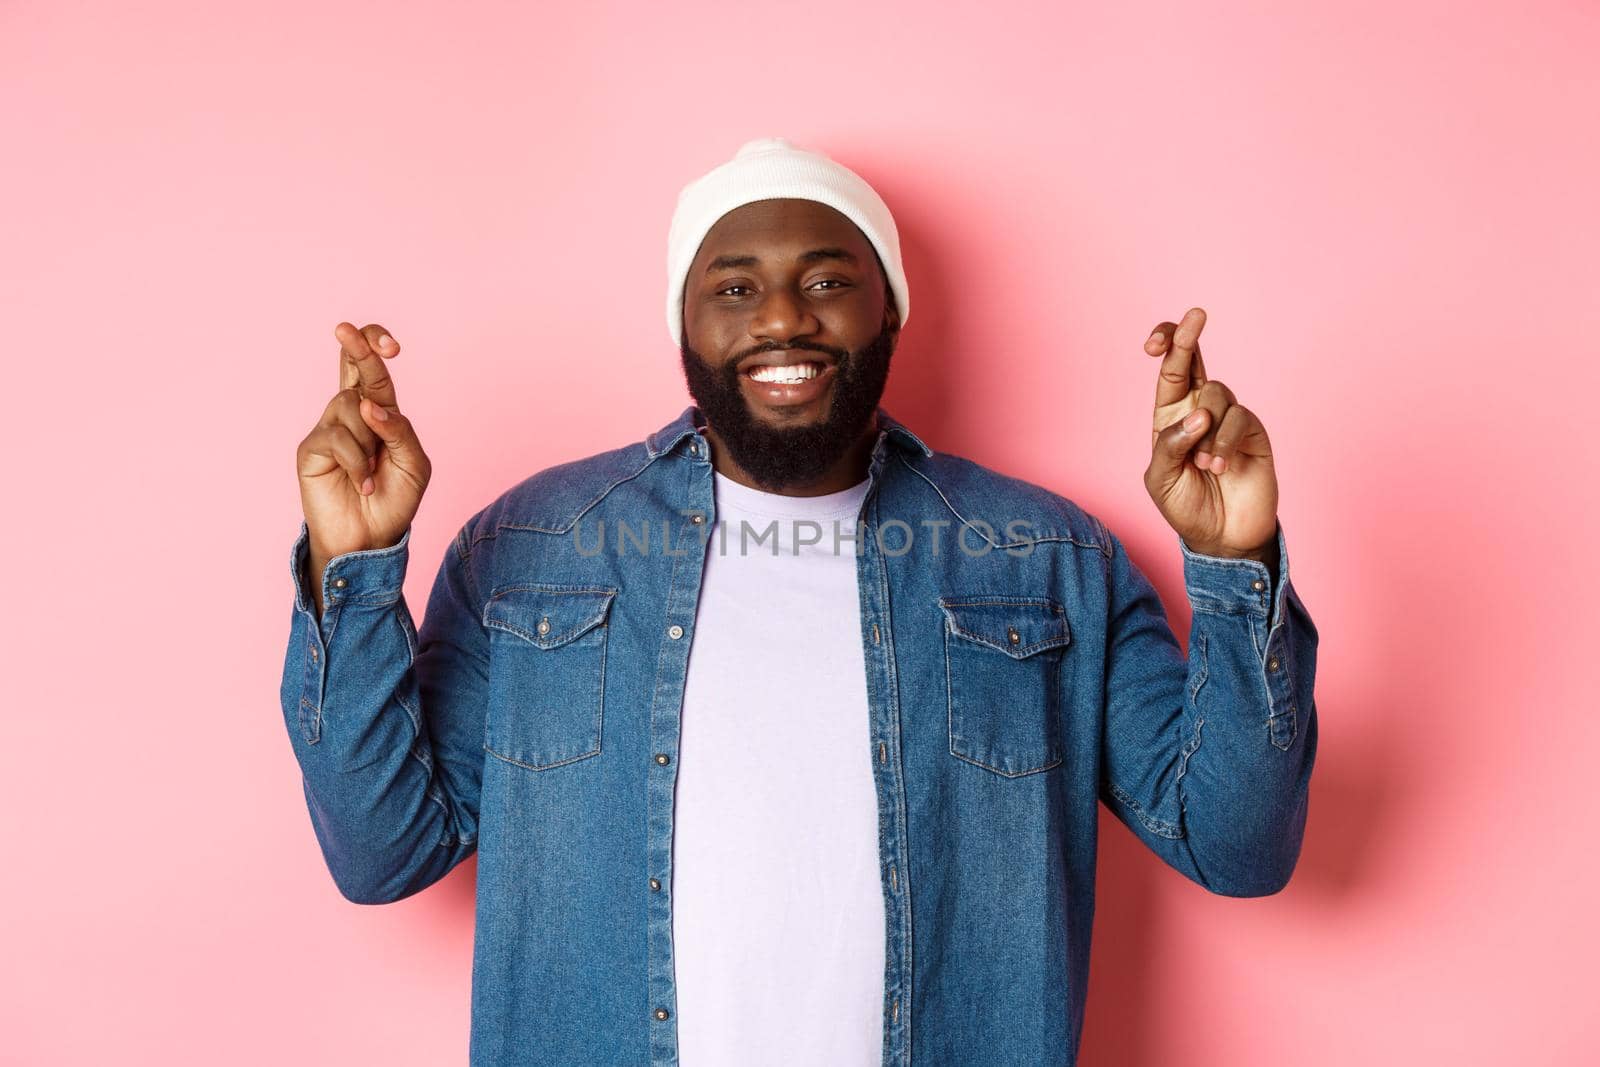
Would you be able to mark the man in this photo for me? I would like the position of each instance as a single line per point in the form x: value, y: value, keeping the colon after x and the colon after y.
x: 778, y: 734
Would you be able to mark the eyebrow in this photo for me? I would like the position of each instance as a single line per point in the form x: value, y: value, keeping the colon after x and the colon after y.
x: 730, y: 262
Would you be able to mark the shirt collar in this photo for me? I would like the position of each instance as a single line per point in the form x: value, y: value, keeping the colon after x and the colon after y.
x: 689, y: 423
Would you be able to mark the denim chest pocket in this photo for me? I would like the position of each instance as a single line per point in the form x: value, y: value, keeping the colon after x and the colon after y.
x: 1003, y: 662
x: 547, y: 671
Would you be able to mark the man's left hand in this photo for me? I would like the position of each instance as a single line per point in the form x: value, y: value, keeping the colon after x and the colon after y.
x: 1213, y: 481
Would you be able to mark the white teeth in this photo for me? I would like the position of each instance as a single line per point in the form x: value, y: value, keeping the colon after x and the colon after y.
x: 787, y: 375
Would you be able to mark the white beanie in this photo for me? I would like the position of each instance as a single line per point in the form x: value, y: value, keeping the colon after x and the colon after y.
x: 766, y: 169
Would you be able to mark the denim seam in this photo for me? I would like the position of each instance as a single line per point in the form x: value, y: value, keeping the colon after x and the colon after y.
x: 1020, y: 651
x: 1284, y: 724
x: 1068, y: 538
x: 1105, y: 546
x: 416, y: 717
x: 1201, y: 674
x: 375, y: 600
x: 542, y: 766
x: 1159, y: 827
x: 952, y: 606
x: 506, y: 524
x: 330, y: 615
x: 1193, y: 744
x: 432, y: 788
x: 310, y: 722
x: 578, y: 629
x: 463, y: 550
x: 405, y: 631
x: 1202, y: 559
x: 1280, y: 724
x: 1155, y: 826
x: 1188, y: 750
x: 433, y: 791
x: 1287, y: 732
x: 1203, y: 608
x: 316, y: 680
x: 1008, y: 774
x: 1266, y: 686
x: 905, y: 981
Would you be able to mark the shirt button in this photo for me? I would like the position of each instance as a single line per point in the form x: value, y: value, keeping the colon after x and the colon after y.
x: 661, y: 1013
x: 694, y: 448
x: 663, y: 759
x: 313, y: 653
x: 1014, y: 637
x: 340, y: 583
x: 1258, y: 585
x: 697, y: 518
x: 1272, y: 663
x: 655, y: 884
x: 544, y: 626
x: 674, y: 631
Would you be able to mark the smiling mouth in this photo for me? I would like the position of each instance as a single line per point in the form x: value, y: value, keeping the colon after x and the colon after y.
x: 790, y: 386
x: 790, y: 374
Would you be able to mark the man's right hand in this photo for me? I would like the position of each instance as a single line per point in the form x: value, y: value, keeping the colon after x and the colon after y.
x: 362, y: 475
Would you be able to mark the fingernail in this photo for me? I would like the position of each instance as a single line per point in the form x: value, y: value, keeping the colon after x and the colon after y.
x: 366, y: 486
x: 1192, y: 423
x: 384, y: 340
x: 378, y: 412
x: 372, y: 464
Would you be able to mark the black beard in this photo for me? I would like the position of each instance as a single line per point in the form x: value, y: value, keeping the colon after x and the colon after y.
x: 778, y: 457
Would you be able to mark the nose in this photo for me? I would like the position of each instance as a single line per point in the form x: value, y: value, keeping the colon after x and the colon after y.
x: 782, y: 317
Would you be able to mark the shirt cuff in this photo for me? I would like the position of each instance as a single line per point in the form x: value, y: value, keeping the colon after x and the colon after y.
x: 371, y: 575
x: 1235, y: 585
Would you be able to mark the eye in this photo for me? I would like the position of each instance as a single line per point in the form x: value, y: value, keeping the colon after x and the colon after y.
x: 730, y: 288
x: 831, y: 281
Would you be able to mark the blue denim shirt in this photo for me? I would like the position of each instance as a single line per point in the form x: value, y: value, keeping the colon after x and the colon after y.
x: 1016, y: 679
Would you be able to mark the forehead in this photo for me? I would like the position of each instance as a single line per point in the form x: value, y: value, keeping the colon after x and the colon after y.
x: 781, y: 226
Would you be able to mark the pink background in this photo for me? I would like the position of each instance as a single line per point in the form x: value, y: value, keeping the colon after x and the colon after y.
x: 1388, y: 211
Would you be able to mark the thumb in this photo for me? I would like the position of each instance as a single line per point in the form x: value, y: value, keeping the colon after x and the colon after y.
x: 393, y: 428
x: 1172, y: 448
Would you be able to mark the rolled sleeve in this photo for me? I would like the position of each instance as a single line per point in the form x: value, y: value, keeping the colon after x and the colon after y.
x: 1230, y: 584
x: 368, y: 576
x: 1282, y: 636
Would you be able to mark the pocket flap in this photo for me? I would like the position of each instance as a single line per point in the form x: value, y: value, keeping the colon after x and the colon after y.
x: 1016, y: 625
x: 547, y: 615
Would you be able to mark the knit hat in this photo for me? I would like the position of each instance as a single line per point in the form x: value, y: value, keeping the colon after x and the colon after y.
x: 765, y: 169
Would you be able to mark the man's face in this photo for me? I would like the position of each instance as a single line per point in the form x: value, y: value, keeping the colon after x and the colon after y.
x: 787, y: 333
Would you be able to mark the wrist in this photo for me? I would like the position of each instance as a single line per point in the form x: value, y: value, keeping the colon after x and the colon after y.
x: 1263, y: 554
x: 1266, y: 554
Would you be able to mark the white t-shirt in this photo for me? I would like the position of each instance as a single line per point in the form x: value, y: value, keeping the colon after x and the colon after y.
x: 777, y: 901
